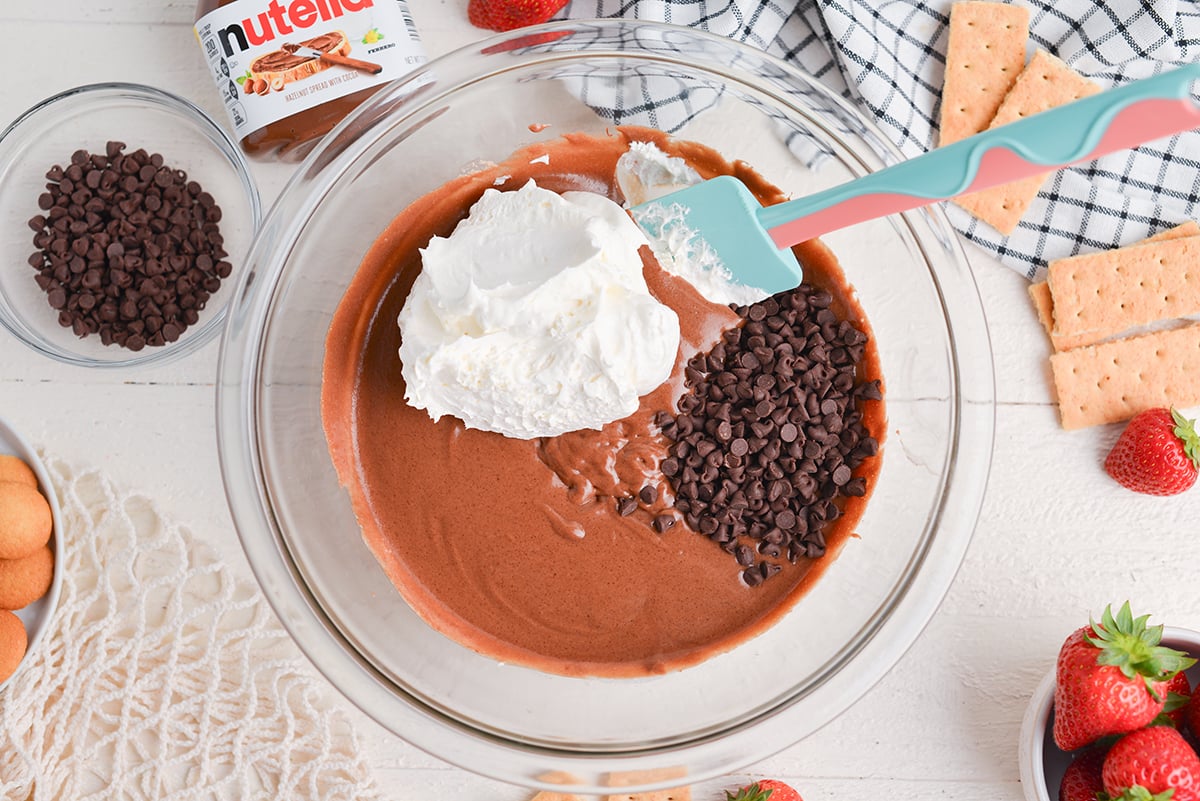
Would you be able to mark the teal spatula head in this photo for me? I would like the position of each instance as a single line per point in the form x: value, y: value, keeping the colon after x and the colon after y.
x: 752, y: 243
x: 714, y: 224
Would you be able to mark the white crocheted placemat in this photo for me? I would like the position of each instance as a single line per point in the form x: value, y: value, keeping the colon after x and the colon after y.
x: 163, y: 676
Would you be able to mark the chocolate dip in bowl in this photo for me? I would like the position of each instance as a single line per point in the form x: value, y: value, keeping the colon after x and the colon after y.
x: 577, y: 651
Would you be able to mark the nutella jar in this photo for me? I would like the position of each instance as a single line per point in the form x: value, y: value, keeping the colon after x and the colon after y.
x: 290, y: 70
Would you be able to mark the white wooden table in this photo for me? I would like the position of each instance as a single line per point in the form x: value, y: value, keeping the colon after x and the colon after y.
x: 1057, y: 539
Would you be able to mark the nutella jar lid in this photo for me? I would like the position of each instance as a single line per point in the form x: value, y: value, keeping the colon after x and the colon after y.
x: 288, y: 71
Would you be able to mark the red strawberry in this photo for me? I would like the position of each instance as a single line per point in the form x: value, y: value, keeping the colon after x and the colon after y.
x: 1138, y: 793
x: 505, y: 15
x: 1179, y: 693
x: 1158, y: 453
x: 1111, y: 678
x: 764, y: 789
x: 1157, y: 759
x: 1082, y: 779
x: 1192, y: 713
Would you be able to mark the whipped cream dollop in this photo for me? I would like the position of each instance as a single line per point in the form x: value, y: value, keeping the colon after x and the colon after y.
x: 646, y: 173
x: 533, y: 318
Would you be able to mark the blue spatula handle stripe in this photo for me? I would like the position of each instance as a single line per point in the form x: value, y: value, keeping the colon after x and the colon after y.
x: 1117, y: 119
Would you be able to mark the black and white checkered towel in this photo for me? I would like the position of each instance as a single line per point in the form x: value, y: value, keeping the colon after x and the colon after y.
x: 889, y: 56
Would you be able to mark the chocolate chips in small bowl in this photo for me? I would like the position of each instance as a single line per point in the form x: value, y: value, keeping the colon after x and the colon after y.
x: 127, y: 248
x: 125, y: 213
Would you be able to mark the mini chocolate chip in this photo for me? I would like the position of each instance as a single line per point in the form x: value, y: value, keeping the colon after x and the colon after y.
x: 769, y: 432
x: 855, y: 487
x: 99, y: 229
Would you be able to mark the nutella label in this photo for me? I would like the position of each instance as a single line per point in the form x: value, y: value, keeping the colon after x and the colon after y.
x: 274, y: 58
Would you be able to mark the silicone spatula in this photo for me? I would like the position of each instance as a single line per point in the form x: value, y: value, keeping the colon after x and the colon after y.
x: 753, y: 242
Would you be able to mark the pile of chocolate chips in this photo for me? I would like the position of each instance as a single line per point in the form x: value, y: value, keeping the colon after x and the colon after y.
x: 770, y: 432
x: 128, y: 248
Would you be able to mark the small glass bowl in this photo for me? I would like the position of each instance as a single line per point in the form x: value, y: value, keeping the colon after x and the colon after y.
x: 87, y: 117
x: 1041, y: 762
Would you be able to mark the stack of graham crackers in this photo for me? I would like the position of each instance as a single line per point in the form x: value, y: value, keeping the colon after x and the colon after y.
x: 1088, y: 302
x: 988, y: 84
x: 1098, y: 308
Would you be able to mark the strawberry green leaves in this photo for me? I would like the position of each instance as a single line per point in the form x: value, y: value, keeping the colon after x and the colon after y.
x: 1128, y: 644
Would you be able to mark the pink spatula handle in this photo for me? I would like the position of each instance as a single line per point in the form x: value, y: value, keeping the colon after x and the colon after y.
x: 1117, y: 119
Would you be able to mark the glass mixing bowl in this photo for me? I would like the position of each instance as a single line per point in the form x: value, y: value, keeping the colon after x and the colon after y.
x: 475, y: 106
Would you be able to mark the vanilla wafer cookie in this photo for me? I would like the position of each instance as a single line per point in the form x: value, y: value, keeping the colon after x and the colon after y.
x: 12, y: 468
x: 14, y: 642
x: 984, y: 55
x: 24, y: 580
x: 1115, y: 380
x: 1046, y: 82
x: 25, y: 520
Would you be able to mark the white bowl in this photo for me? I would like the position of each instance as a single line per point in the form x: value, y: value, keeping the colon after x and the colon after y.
x: 1042, y: 763
x: 37, y: 615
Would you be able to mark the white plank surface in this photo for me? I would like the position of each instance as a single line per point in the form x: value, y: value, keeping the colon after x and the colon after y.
x: 1056, y: 541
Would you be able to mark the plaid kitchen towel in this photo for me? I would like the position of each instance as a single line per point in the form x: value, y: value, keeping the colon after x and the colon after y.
x: 888, y: 57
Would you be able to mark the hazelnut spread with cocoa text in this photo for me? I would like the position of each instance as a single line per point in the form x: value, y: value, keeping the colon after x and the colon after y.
x: 290, y: 70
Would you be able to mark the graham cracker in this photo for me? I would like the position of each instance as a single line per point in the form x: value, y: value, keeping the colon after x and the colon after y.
x: 1046, y: 82
x: 681, y: 793
x: 984, y: 55
x: 676, y: 794
x: 1189, y: 228
x: 1116, y: 380
x: 1043, y: 301
x: 1101, y: 294
x: 1043, y: 305
x: 557, y: 777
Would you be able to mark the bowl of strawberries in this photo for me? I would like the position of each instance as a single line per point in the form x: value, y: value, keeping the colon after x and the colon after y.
x: 1116, y: 718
